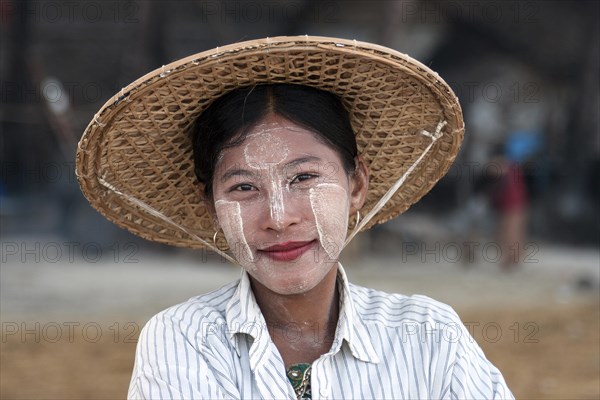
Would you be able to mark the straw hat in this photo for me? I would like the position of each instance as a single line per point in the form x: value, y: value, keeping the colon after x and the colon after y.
x: 135, y: 162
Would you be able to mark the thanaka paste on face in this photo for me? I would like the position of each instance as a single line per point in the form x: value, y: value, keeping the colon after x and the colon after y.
x: 289, y: 201
x: 268, y: 157
x: 331, y: 217
x: 230, y: 218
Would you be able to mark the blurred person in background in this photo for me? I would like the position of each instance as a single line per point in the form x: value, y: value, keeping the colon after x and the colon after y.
x: 510, y: 196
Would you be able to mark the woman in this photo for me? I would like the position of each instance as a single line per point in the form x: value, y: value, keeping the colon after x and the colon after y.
x: 264, y: 151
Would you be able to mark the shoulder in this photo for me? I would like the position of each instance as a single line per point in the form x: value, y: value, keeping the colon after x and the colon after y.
x: 429, y: 330
x: 194, y: 314
x: 396, y: 309
x: 181, y: 354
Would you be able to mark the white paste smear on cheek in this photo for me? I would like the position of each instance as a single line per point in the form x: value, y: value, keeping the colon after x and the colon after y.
x: 230, y: 218
x: 331, y: 218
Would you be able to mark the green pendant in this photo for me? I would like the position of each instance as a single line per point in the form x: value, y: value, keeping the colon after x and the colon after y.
x: 299, y: 376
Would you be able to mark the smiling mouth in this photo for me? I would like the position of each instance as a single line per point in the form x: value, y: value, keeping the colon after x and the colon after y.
x: 288, y: 251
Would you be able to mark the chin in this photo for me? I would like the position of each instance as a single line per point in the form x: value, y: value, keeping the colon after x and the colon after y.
x: 293, y: 288
x: 296, y: 280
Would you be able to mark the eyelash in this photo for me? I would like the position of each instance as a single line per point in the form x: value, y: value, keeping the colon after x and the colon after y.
x: 306, y: 175
x: 239, y: 187
x: 297, y: 179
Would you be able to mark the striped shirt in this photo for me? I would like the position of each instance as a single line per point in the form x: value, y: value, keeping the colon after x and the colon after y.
x: 386, y: 346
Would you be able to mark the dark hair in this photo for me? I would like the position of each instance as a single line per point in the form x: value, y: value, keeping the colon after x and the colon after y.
x: 226, y: 122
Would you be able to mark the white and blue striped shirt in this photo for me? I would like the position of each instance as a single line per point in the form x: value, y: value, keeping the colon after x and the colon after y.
x: 386, y: 346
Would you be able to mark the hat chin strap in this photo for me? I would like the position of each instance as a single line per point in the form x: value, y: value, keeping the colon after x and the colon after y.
x: 394, y: 188
x: 163, y: 217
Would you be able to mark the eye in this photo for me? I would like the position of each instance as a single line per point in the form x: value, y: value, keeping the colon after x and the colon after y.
x: 303, y: 177
x: 243, y: 187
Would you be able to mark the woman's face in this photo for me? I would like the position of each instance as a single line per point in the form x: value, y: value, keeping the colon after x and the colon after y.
x: 283, y: 199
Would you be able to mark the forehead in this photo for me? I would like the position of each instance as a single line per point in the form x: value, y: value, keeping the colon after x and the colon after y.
x: 276, y: 140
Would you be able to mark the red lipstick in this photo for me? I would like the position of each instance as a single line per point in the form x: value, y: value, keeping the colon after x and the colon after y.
x: 287, y: 251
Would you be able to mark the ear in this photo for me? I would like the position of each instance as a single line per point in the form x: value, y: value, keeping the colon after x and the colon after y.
x: 359, y: 185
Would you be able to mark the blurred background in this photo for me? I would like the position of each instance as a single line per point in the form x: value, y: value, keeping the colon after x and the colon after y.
x: 510, y: 237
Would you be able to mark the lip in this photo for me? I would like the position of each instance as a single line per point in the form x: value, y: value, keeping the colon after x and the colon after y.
x: 288, y: 251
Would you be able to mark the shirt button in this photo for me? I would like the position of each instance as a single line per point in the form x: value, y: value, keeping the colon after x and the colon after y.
x: 324, y: 391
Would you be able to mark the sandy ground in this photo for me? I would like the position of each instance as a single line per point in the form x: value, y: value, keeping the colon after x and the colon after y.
x: 69, y: 326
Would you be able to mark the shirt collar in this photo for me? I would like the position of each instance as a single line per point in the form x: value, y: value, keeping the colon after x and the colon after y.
x: 351, y: 326
x: 244, y: 316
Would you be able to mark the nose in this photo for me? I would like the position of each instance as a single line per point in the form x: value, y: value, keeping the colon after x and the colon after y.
x: 280, y: 210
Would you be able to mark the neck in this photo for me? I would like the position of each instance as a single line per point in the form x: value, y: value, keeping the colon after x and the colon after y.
x: 313, y: 314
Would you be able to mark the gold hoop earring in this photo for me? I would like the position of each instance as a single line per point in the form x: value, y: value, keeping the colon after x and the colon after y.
x: 357, y: 220
x: 215, y: 239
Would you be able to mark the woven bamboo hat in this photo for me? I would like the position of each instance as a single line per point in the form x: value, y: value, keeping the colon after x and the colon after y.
x: 135, y: 163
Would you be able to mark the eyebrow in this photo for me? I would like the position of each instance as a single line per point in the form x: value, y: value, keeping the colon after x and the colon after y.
x: 251, y: 174
x: 301, y: 160
x: 238, y: 172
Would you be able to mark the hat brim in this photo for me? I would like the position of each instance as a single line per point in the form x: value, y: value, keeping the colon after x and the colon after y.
x: 135, y: 163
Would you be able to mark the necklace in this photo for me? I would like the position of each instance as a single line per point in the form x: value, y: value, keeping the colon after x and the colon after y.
x: 299, y: 376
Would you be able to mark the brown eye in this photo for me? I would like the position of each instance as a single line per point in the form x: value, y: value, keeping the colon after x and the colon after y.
x: 244, y: 187
x: 303, y: 177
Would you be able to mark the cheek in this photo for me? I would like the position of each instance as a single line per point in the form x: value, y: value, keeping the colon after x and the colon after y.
x: 330, y: 205
x: 232, y: 222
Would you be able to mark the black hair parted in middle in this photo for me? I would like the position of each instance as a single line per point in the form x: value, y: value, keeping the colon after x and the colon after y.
x: 226, y: 122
